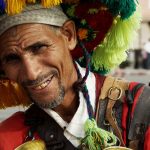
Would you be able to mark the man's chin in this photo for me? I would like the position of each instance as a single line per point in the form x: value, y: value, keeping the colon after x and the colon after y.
x: 50, y: 101
x: 52, y: 104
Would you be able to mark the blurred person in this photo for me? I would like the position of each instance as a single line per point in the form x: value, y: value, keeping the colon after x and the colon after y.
x: 146, y: 52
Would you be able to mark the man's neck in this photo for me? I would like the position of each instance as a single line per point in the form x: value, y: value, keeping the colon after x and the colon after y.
x: 68, y: 108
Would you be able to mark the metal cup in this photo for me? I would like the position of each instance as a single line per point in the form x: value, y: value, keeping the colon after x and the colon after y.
x: 32, y: 145
x: 117, y: 148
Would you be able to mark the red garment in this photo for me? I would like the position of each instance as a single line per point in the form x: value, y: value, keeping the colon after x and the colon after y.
x: 125, y: 109
x: 12, y: 132
x: 125, y: 113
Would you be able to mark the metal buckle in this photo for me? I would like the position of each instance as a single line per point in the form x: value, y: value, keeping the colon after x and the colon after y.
x: 114, y: 93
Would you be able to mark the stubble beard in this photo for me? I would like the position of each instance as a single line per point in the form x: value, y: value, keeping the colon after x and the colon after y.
x: 53, y: 103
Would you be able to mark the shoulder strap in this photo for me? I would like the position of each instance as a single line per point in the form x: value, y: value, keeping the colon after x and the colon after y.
x: 113, y: 89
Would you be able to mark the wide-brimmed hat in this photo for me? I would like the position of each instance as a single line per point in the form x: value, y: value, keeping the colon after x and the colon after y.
x: 106, y: 28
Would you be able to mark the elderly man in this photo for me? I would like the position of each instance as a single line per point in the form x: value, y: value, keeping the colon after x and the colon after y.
x: 39, y: 43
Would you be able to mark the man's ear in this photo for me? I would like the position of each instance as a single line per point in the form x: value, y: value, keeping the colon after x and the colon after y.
x: 69, y: 30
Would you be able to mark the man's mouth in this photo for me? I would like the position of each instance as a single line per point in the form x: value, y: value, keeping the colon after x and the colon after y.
x: 43, y: 84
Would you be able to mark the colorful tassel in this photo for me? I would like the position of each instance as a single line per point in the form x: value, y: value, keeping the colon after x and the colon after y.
x: 22, y: 98
x: 97, y: 138
x: 2, y: 6
x: 14, y: 6
x: 6, y: 97
x: 112, y: 51
x: 123, y: 7
x: 50, y: 3
x: 11, y: 94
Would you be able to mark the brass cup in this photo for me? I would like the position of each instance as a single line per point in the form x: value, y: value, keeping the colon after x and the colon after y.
x: 32, y: 145
x: 117, y: 148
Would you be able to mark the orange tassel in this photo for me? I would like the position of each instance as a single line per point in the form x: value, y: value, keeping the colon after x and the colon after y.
x: 21, y: 95
x: 11, y: 94
x: 82, y: 33
x: 6, y: 97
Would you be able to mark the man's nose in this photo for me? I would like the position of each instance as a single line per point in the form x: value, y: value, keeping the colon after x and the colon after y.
x: 31, y: 67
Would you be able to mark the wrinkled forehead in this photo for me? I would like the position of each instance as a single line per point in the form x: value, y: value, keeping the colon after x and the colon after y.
x: 34, y: 14
x: 22, y: 28
x: 26, y: 34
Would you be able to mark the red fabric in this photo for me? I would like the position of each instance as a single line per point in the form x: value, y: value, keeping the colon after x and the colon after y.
x: 125, y: 109
x: 135, y: 98
x: 13, y: 132
x: 147, y: 140
x: 124, y: 120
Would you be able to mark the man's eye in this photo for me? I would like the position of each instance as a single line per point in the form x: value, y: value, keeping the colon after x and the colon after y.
x: 10, y: 58
x: 39, y: 47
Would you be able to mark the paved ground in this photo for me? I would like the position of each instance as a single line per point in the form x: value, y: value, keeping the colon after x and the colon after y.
x: 139, y: 75
x: 129, y: 74
x: 9, y: 111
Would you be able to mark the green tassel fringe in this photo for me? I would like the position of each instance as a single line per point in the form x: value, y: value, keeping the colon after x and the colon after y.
x: 97, y: 138
x: 124, y: 8
x: 112, y: 51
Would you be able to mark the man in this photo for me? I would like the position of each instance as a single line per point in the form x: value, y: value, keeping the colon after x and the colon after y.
x: 146, y: 55
x: 35, y: 52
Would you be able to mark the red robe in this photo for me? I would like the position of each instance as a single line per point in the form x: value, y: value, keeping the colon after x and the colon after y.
x: 13, y: 132
x: 125, y: 113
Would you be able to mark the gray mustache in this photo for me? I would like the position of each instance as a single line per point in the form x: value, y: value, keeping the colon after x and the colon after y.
x: 39, y: 79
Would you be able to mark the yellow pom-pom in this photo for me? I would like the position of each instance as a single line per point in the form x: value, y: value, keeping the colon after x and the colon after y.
x: 50, y: 3
x: 14, y: 6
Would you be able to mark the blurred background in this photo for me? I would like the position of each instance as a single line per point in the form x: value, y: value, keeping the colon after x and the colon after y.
x: 137, y: 66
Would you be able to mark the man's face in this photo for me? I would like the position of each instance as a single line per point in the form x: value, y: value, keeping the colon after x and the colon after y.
x: 38, y: 57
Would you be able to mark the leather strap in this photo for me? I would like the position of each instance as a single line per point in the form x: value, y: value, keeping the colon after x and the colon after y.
x: 115, y: 83
x: 113, y: 90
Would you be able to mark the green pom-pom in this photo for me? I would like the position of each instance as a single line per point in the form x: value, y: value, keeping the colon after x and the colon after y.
x: 108, y: 60
x: 125, y: 8
x: 97, y: 138
x: 112, y: 51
